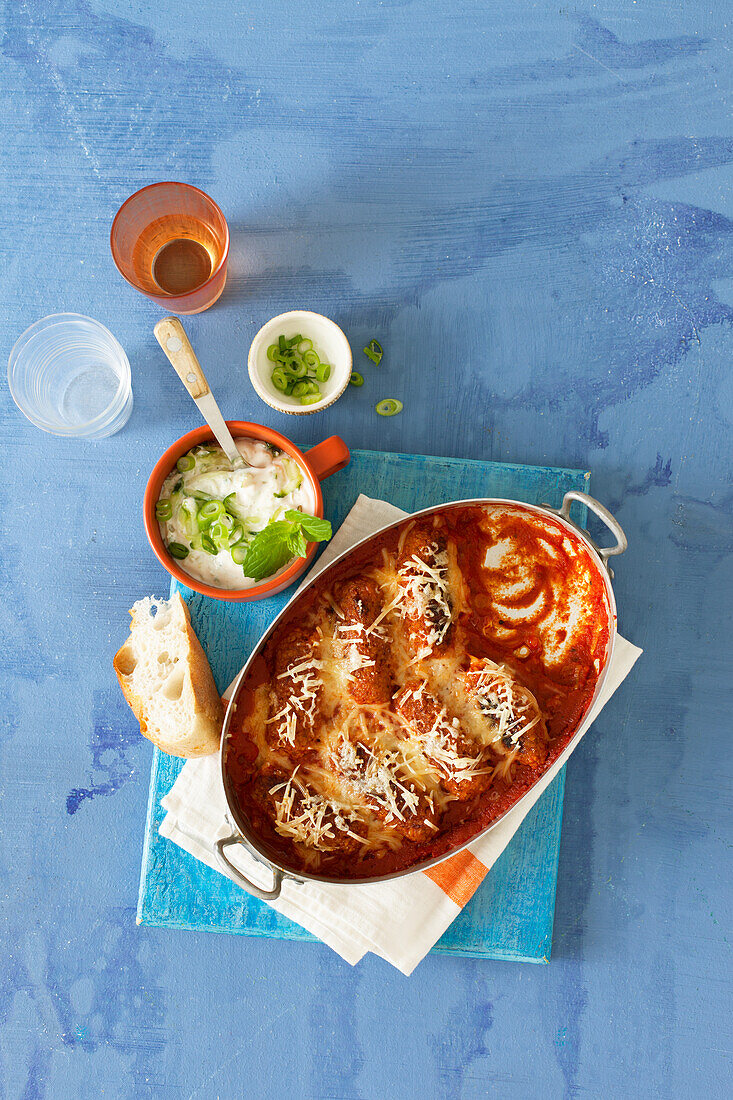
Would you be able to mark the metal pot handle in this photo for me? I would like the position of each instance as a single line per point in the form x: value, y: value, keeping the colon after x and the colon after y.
x: 604, y: 552
x: 242, y: 880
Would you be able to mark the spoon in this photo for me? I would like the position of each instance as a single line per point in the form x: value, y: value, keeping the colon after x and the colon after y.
x: 171, y: 336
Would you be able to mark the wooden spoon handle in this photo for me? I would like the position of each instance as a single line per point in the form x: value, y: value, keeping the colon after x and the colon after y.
x: 172, y: 338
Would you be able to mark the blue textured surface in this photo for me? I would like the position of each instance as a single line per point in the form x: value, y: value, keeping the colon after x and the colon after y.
x: 510, y: 916
x: 530, y: 204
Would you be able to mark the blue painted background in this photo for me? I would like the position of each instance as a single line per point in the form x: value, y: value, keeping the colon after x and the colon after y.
x: 531, y: 206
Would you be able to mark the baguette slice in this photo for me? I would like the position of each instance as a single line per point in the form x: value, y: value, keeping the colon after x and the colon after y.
x: 166, y: 679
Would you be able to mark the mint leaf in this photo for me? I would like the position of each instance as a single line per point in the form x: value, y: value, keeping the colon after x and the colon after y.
x: 297, y: 544
x: 268, y: 551
x: 317, y: 530
x: 281, y: 540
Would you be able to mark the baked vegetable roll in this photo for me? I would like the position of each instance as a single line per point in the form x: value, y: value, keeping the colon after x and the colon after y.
x: 455, y: 756
x: 375, y: 777
x: 422, y: 577
x: 364, y: 646
x: 309, y: 818
x: 296, y: 693
x: 510, y: 714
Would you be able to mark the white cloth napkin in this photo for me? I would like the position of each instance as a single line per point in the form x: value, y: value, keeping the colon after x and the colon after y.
x: 402, y: 919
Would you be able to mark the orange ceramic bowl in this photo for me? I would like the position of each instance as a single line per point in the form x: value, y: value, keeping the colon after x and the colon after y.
x: 320, y: 462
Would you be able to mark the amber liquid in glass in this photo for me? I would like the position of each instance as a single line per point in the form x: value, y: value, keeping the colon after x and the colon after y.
x: 181, y: 265
x: 175, y: 254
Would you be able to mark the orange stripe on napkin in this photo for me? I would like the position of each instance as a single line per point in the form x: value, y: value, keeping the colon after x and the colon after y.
x: 459, y: 877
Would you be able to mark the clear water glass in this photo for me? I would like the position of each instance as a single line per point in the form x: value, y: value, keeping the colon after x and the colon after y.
x: 70, y: 376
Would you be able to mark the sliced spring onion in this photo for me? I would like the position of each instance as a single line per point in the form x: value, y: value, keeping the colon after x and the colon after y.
x: 219, y: 532
x: 209, y: 545
x: 356, y: 379
x: 177, y: 550
x: 163, y: 510
x: 239, y: 553
x: 211, y: 510
x: 388, y: 406
x: 373, y: 351
x: 187, y: 517
x: 186, y: 463
x: 297, y: 369
x: 198, y: 495
x: 280, y: 379
x: 236, y: 534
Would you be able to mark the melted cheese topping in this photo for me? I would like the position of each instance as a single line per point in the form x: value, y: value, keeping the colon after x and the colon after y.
x: 302, y: 699
x: 425, y: 596
x: 510, y: 709
x: 436, y: 743
x: 307, y: 816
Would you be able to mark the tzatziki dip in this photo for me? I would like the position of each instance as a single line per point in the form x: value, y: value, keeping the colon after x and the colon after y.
x: 210, y: 514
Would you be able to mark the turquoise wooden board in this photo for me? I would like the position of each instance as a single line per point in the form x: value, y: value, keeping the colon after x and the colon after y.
x: 511, y: 915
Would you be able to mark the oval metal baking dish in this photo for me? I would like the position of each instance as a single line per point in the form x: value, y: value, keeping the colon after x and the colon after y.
x: 243, y: 835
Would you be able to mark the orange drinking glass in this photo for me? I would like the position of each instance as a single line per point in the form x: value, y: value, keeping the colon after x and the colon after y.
x: 171, y: 242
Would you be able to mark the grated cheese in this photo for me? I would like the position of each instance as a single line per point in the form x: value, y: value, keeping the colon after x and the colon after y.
x: 511, y: 709
x: 438, y: 743
x: 302, y: 700
x: 315, y: 817
x: 425, y: 596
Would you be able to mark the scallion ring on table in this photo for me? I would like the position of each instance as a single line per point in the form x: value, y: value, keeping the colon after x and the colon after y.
x: 356, y: 379
x: 388, y: 406
x: 373, y: 351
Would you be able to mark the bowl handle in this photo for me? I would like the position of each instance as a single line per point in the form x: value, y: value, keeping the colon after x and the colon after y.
x: 604, y: 552
x: 328, y: 457
x: 242, y: 880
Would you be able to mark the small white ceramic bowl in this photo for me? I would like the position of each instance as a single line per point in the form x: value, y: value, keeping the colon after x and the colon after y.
x: 330, y: 343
